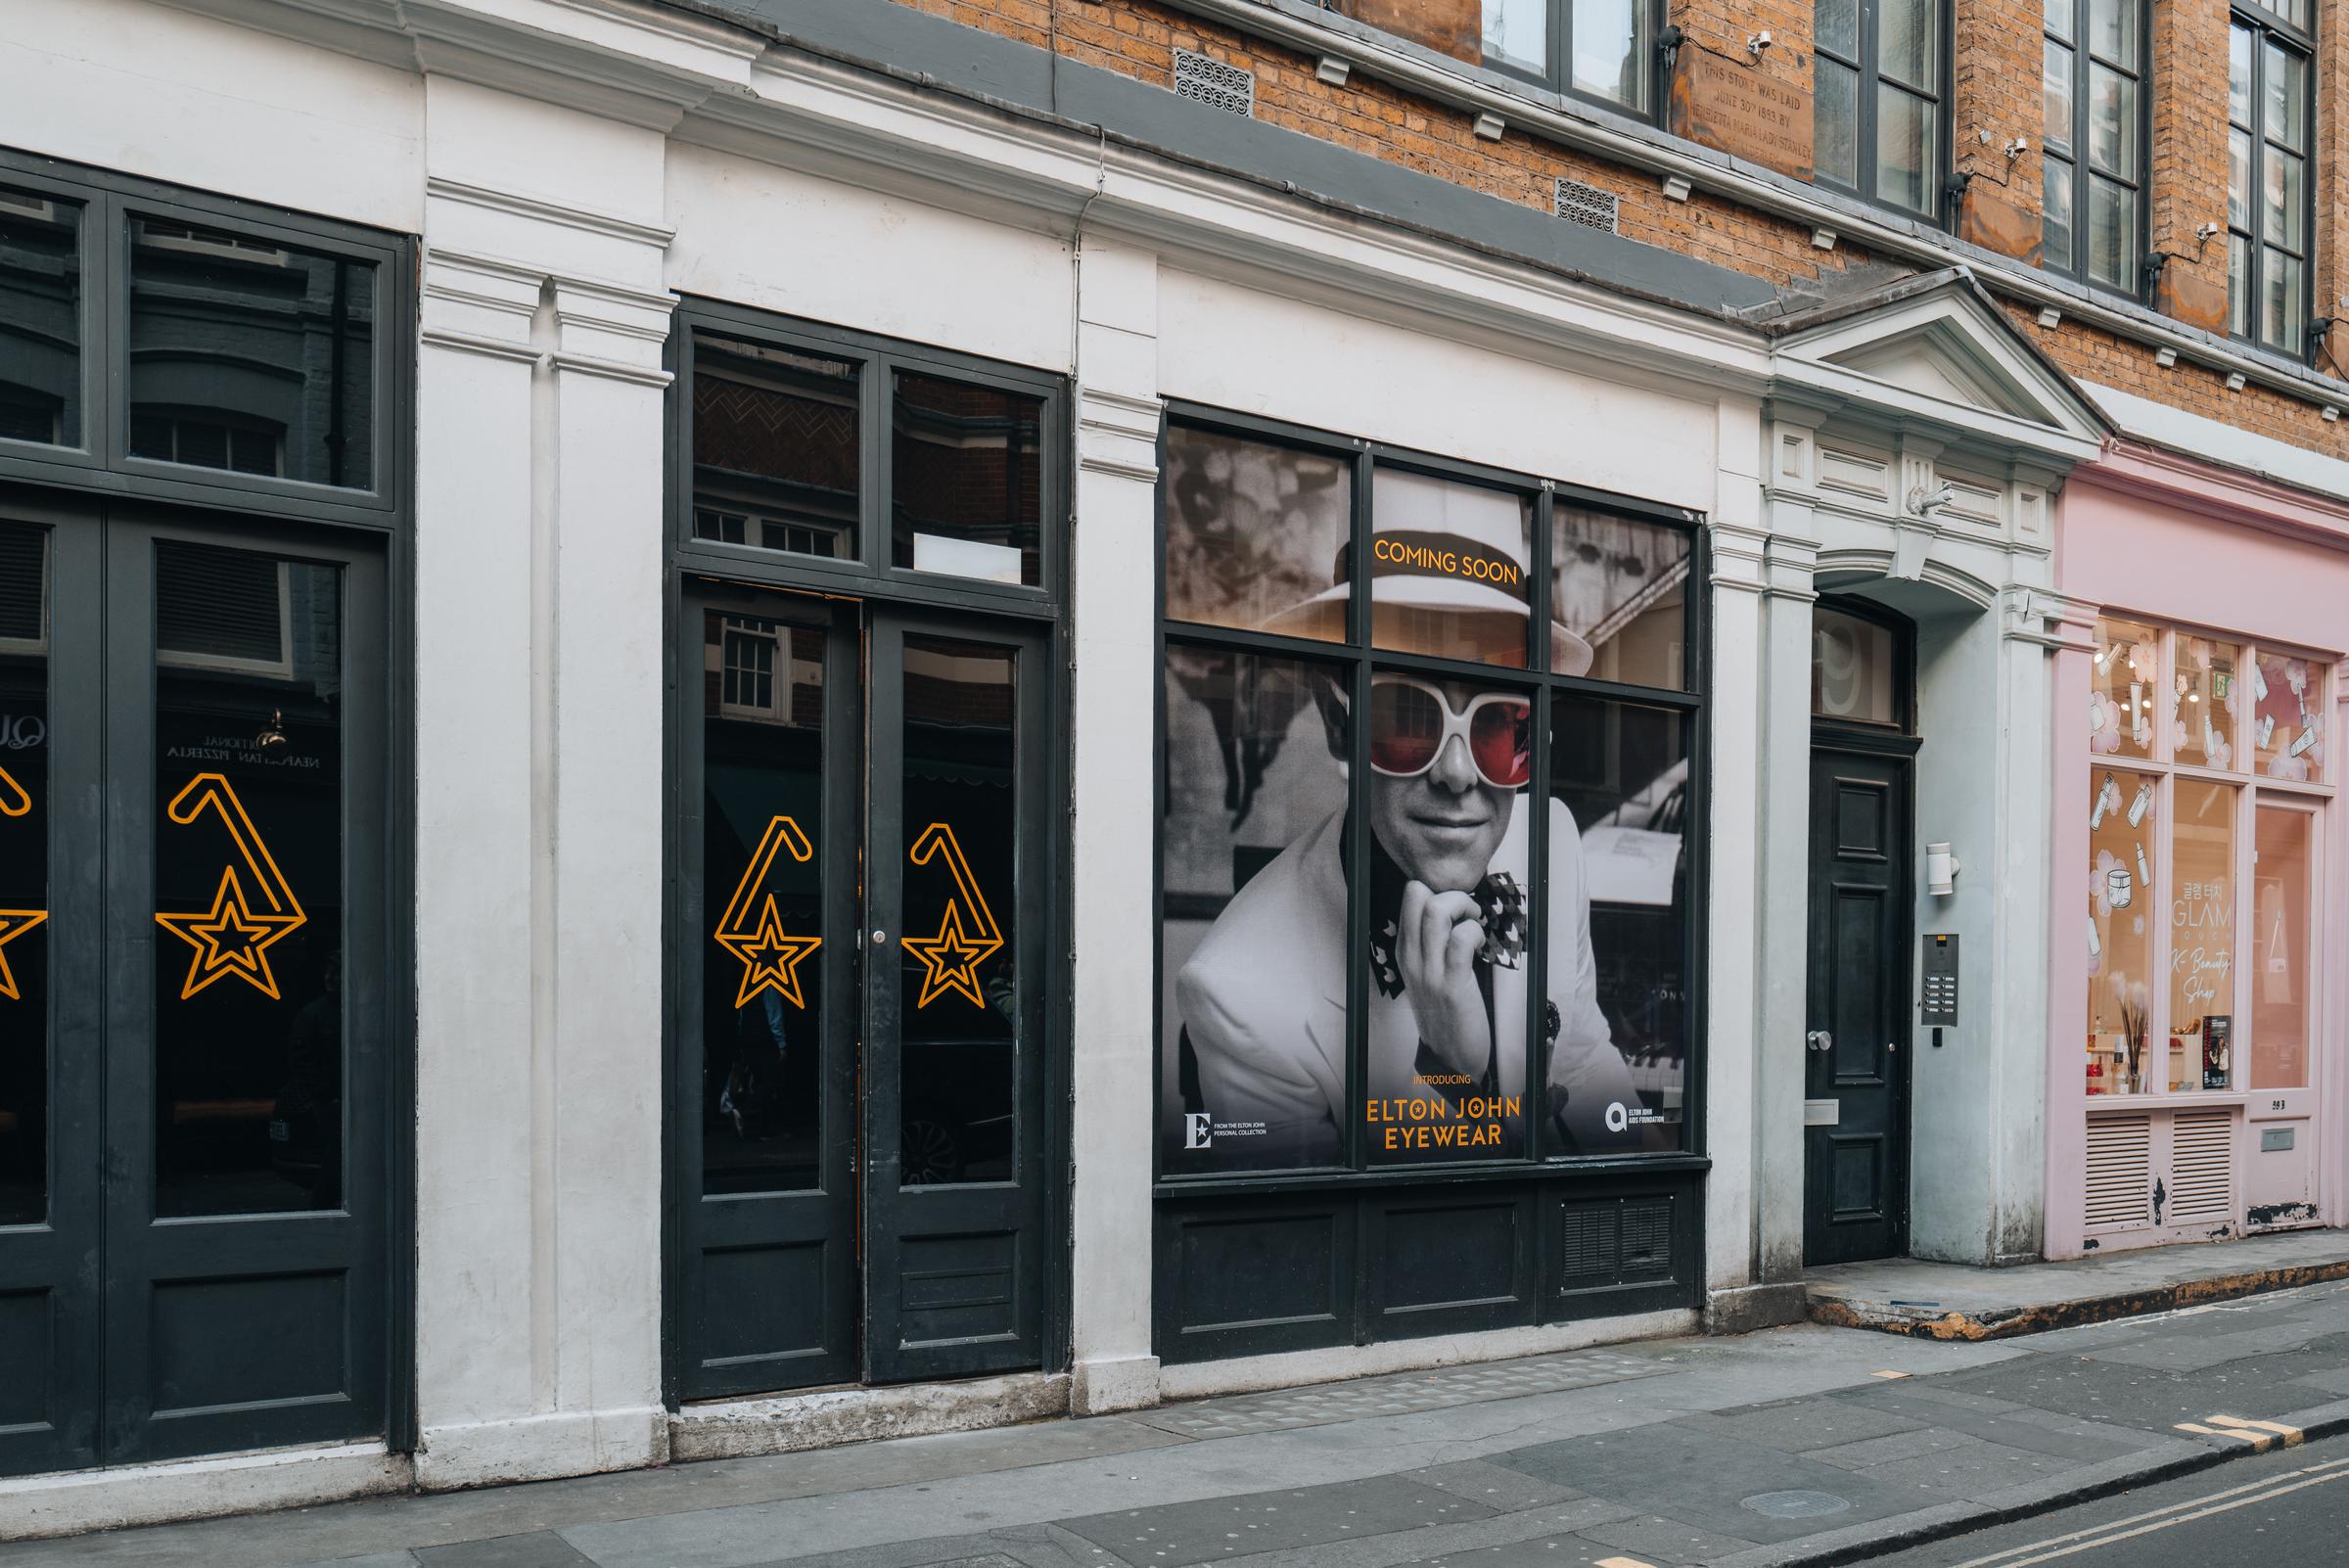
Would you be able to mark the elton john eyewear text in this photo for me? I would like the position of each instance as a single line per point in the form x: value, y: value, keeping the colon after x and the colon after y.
x: 1411, y: 722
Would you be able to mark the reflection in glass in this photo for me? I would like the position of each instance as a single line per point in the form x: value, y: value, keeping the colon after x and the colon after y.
x: 2111, y: 233
x: 2202, y: 900
x: 1253, y: 1065
x: 1611, y: 50
x: 24, y: 821
x: 1517, y: 34
x: 1616, y: 1011
x: 1854, y: 669
x: 2279, y: 948
x: 2112, y: 120
x: 1909, y: 40
x: 1619, y: 586
x: 2287, y: 95
x: 2123, y: 841
x: 2204, y: 697
x: 40, y: 319
x: 1835, y: 122
x: 775, y: 447
x: 1904, y: 148
x: 2057, y: 218
x: 249, y: 853
x: 2056, y: 88
x: 958, y: 966
x: 1448, y: 564
x: 250, y: 356
x: 2288, y: 718
x: 2112, y: 29
x: 763, y: 903
x: 1254, y: 533
x: 2121, y: 680
x: 1835, y: 25
x: 967, y: 486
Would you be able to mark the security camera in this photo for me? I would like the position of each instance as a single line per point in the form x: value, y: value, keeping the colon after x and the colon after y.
x: 1755, y: 44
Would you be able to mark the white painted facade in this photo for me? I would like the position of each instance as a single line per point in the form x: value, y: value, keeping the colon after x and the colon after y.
x: 570, y: 169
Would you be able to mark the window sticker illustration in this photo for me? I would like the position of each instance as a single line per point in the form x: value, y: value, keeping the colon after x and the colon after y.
x: 967, y: 934
x: 14, y: 923
x: 770, y: 956
x: 235, y: 935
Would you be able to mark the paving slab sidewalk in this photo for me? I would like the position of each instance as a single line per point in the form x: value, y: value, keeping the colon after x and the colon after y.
x: 1803, y: 1445
x: 1952, y: 1301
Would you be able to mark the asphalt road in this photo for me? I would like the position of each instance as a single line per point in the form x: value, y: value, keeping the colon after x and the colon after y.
x: 2283, y: 1509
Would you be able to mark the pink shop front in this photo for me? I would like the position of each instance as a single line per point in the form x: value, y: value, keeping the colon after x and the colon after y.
x: 2200, y: 869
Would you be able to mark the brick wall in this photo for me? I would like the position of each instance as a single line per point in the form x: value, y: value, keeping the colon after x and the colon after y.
x: 1996, y: 90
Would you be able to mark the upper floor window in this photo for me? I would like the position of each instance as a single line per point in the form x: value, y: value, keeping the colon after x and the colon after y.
x: 2094, y: 69
x: 1877, y: 128
x: 1603, y: 49
x: 2269, y: 200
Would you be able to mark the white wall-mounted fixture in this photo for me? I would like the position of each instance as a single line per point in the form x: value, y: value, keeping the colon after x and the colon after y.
x: 1755, y: 44
x: 2048, y: 315
x: 2235, y: 381
x: 2206, y: 231
x: 2165, y: 357
x: 2331, y: 413
x: 1823, y: 238
x: 1941, y: 870
x: 1333, y: 70
x: 1489, y: 125
x: 2017, y: 148
x: 1676, y: 187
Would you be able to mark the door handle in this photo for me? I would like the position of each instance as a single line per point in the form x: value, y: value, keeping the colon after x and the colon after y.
x: 1819, y: 1039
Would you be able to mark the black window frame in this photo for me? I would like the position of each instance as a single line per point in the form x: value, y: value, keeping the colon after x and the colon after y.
x: 1358, y: 653
x: 2083, y: 176
x: 1557, y: 71
x: 871, y: 572
x: 2266, y: 26
x: 1938, y: 198
x: 102, y: 460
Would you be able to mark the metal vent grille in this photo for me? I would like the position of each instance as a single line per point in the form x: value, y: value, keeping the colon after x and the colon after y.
x: 1587, y: 1256
x: 2120, y: 1171
x: 1646, y: 1240
x: 1209, y: 81
x: 1587, y: 204
x: 2202, y: 1166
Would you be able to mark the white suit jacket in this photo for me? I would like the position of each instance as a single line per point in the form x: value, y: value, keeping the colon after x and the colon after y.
x: 1264, y: 999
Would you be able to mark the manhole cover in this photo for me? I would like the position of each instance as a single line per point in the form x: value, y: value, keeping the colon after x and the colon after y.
x: 1794, y: 1504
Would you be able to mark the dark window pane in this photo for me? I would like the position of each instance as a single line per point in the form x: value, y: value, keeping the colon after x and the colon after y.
x: 1835, y: 123
x: 1617, y: 955
x: 40, y: 319
x: 1448, y: 569
x: 249, y: 998
x: 1253, y: 1040
x: 1254, y: 535
x: 2240, y: 288
x: 25, y: 819
x: 250, y: 356
x: 1517, y: 33
x: 1619, y: 587
x: 762, y: 892
x: 2238, y: 179
x: 2284, y: 296
x: 776, y: 447
x: 967, y: 481
x: 959, y: 947
x: 1854, y: 675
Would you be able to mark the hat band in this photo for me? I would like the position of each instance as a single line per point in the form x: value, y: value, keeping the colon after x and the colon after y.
x: 1405, y: 554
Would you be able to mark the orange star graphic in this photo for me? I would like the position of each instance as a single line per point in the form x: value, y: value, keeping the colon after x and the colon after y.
x: 770, y: 958
x: 952, y: 958
x: 229, y: 939
x: 14, y: 923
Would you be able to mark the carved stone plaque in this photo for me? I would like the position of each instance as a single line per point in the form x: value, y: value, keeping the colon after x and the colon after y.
x: 1741, y: 110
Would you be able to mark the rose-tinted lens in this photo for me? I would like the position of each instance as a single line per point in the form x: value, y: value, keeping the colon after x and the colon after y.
x: 1500, y: 738
x: 1407, y: 726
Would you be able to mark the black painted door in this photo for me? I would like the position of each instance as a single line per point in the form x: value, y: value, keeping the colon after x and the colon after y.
x: 954, y: 1000
x: 1855, y: 1075
x: 192, y: 1173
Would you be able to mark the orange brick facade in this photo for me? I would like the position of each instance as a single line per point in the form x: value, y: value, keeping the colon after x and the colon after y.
x: 1994, y: 97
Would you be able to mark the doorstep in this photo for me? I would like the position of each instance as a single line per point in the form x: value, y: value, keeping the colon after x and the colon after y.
x: 1962, y: 1302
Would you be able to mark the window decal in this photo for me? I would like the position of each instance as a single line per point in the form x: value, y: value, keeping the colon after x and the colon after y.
x: 233, y: 938
x: 771, y: 957
x: 952, y: 957
x: 14, y: 923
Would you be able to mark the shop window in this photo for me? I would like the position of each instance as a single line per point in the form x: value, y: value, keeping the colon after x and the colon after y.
x: 1603, y: 49
x: 777, y: 433
x: 41, y: 297
x: 2202, y: 822
x: 2270, y: 197
x: 2093, y: 58
x: 1877, y: 125
x: 1361, y: 770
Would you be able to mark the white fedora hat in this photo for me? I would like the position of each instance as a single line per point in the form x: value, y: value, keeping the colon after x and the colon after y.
x: 1444, y: 548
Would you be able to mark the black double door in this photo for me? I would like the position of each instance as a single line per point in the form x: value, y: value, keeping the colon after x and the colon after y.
x: 866, y: 866
x: 192, y: 989
x: 1855, y: 1059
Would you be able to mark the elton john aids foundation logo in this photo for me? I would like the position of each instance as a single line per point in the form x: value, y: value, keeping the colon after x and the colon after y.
x: 1617, y: 1117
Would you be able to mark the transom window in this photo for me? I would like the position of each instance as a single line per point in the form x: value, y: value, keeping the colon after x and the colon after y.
x: 2094, y: 54
x: 1877, y: 106
x: 2209, y: 777
x: 1601, y: 49
x: 2269, y: 203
